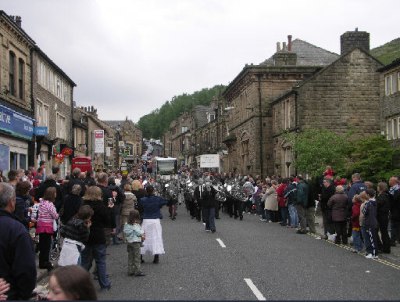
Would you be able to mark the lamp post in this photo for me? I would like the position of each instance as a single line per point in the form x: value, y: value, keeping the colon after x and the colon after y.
x: 118, y: 139
x: 260, y: 127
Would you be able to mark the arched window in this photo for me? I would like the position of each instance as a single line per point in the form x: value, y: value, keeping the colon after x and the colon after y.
x: 11, y: 74
x: 21, y: 70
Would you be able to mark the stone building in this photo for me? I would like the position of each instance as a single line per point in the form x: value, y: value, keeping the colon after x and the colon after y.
x: 390, y: 100
x: 342, y: 96
x: 101, y: 140
x: 16, y: 108
x: 80, y: 133
x: 194, y: 133
x: 248, y: 99
x: 129, y: 138
x: 177, y: 140
x: 53, y: 100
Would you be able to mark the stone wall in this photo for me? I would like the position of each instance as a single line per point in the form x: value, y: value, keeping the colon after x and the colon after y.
x: 344, y: 96
x: 55, y: 104
x: 245, y: 115
x: 12, y: 40
x: 390, y: 103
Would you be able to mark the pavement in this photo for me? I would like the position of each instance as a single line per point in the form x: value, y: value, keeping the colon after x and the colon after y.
x: 392, y: 258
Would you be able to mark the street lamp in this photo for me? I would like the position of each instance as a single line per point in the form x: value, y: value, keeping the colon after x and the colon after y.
x: 118, y: 139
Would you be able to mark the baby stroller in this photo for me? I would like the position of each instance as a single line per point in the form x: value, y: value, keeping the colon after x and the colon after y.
x: 56, y: 243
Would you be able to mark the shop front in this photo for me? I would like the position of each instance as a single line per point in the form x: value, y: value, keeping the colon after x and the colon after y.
x: 16, y: 131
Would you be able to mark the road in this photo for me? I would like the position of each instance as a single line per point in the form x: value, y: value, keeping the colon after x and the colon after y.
x: 259, y: 261
x: 249, y: 260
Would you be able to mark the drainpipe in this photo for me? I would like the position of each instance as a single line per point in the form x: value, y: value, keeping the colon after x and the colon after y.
x: 297, y: 128
x: 72, y: 128
x: 260, y: 127
x: 33, y: 156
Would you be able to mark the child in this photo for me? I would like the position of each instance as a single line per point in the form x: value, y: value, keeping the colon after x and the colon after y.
x: 355, y: 224
x: 370, y: 224
x: 134, y: 235
x: 76, y: 232
x: 71, y: 282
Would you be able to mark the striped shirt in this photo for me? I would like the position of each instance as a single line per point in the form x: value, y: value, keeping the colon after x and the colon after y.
x: 46, y: 217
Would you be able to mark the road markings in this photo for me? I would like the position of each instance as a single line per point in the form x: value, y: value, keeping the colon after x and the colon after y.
x: 382, y: 261
x: 255, y: 290
x: 221, y: 243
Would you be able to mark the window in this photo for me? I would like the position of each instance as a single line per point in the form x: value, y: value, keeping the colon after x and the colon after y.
x: 389, y: 130
x: 398, y: 81
x: 286, y: 114
x: 394, y: 128
x: 388, y: 84
x: 392, y: 83
x: 184, y: 129
x: 11, y: 74
x: 13, y: 161
x: 210, y: 117
x: 42, y: 114
x: 61, y: 126
x: 53, y: 83
x: 22, y: 161
x: 245, y: 148
x: 397, y: 122
x: 21, y: 69
x: 58, y: 88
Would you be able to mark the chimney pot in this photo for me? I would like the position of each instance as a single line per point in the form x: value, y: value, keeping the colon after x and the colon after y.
x: 18, y: 20
x: 289, y: 42
x: 278, y: 46
x: 284, y: 48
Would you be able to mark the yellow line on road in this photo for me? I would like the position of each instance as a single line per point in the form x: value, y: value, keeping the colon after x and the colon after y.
x: 382, y: 261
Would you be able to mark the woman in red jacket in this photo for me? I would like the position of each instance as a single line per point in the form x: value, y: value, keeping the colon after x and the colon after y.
x: 282, y: 203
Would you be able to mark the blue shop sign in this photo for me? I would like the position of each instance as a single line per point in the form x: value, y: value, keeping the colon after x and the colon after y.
x: 16, y: 123
x: 41, y: 131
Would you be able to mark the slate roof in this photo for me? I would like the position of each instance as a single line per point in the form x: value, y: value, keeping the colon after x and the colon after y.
x: 308, y: 55
x: 200, y: 114
x: 114, y: 124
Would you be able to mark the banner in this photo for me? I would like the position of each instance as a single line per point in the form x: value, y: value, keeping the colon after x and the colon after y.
x: 209, y: 161
x: 98, y: 141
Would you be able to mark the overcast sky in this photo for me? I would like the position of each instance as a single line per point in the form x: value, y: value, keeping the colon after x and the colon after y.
x: 128, y: 57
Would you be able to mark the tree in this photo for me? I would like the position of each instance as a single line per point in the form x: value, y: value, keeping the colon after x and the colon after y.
x: 314, y: 149
x: 372, y: 156
x: 154, y: 125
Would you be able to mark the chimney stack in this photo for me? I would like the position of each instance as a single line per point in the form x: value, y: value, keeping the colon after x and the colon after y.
x: 353, y: 39
x: 289, y: 37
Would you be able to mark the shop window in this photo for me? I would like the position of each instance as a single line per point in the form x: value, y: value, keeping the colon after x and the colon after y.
x: 22, y: 161
x: 13, y: 161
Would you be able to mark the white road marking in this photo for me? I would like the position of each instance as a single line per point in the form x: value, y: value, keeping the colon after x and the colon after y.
x: 221, y: 243
x: 255, y: 290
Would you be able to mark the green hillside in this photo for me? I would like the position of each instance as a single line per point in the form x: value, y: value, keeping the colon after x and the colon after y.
x: 388, y: 52
x: 154, y: 125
